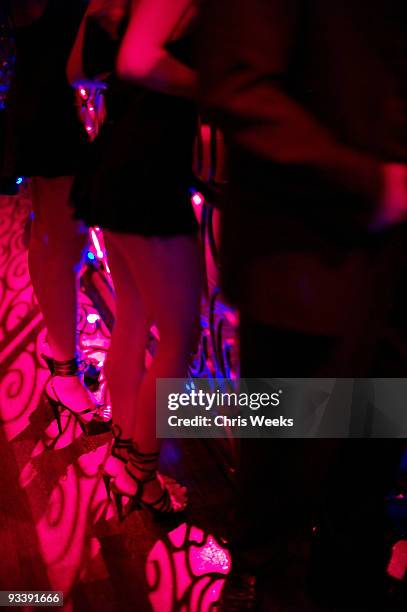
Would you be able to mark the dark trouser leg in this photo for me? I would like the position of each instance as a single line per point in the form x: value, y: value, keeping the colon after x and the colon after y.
x: 350, y: 552
x: 279, y: 479
x: 283, y: 482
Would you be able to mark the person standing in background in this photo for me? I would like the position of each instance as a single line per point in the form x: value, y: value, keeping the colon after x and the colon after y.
x: 43, y: 137
x: 135, y: 185
x: 312, y: 99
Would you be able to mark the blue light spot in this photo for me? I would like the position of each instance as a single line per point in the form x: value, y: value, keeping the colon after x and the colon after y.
x: 91, y: 256
x: 19, y: 180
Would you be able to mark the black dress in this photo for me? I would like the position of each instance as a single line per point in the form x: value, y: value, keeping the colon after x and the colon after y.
x: 138, y: 172
x: 43, y: 133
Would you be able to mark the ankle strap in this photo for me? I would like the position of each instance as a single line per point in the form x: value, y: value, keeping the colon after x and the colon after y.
x: 146, y: 463
x: 70, y: 367
x: 121, y: 446
x: 117, y: 436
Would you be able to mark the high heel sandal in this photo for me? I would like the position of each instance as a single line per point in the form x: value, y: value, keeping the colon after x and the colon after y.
x: 119, y: 456
x: 171, y: 501
x: 70, y: 368
x: 91, y: 372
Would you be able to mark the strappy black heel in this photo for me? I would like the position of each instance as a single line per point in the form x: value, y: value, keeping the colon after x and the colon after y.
x: 168, y: 503
x: 71, y: 368
x: 119, y: 456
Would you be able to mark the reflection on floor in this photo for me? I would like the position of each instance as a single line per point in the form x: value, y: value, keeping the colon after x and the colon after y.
x: 58, y: 530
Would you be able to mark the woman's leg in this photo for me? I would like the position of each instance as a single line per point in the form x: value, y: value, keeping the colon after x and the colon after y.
x: 125, y: 364
x: 167, y: 272
x: 172, y: 282
x: 54, y: 257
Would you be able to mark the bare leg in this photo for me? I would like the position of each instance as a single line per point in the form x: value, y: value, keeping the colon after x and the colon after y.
x: 54, y: 258
x: 125, y: 364
x: 168, y: 274
x: 171, y: 280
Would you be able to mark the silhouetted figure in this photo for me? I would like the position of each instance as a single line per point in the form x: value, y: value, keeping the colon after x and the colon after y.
x: 313, y: 103
x: 42, y: 141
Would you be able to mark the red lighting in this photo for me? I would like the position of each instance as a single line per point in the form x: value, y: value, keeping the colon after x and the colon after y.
x: 197, y: 199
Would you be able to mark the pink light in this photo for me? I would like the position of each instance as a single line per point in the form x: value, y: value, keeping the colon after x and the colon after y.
x: 210, y: 558
x: 197, y: 198
x: 83, y: 93
x: 155, y: 332
x: 397, y: 566
x: 96, y: 243
x: 232, y: 317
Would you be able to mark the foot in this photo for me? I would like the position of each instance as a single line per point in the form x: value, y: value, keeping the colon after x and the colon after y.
x: 113, y: 467
x: 153, y: 490
x: 72, y: 393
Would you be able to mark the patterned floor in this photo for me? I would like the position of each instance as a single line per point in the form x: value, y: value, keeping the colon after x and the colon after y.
x: 58, y: 531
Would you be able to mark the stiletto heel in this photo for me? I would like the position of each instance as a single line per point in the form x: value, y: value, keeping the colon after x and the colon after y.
x: 118, y: 502
x: 66, y: 369
x: 106, y: 480
x: 123, y: 511
x: 55, y: 409
x: 82, y: 424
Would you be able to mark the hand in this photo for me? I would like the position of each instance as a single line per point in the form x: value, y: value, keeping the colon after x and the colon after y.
x: 392, y: 209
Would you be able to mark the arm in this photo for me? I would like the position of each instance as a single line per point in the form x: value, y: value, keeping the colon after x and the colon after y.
x: 143, y: 58
x: 75, y: 71
x: 248, y: 48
